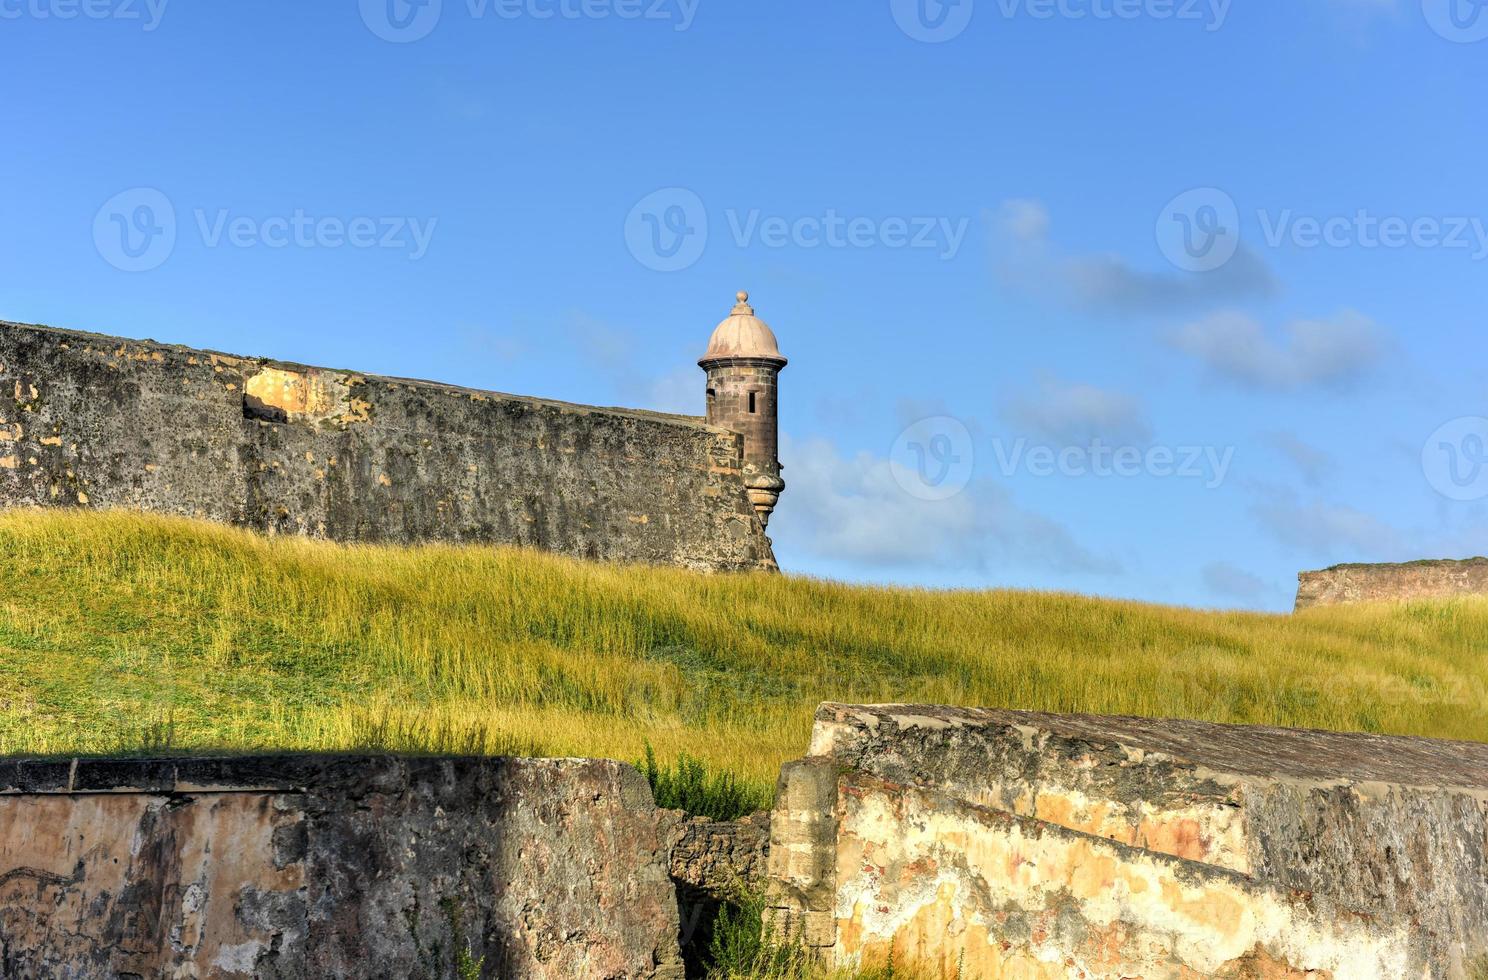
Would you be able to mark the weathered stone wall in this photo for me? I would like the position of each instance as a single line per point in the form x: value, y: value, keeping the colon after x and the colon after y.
x: 1343, y: 584
x: 94, y: 421
x: 715, y: 862
x: 1020, y: 844
x: 303, y: 867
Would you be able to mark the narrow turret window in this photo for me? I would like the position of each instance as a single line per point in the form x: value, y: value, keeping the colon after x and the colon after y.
x: 751, y: 403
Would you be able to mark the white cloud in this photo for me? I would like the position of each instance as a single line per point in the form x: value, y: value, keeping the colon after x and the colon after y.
x: 623, y: 361
x: 1312, y: 352
x: 1026, y: 259
x: 1330, y: 532
x: 679, y: 392
x: 1077, y: 414
x: 1024, y: 220
x: 852, y: 509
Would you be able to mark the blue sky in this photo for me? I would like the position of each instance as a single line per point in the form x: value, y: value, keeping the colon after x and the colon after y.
x: 1144, y: 298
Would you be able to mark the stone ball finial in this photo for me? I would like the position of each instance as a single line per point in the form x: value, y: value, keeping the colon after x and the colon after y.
x: 743, y: 296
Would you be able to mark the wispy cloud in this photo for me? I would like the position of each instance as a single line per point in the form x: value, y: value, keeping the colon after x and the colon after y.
x: 1331, y: 351
x: 618, y: 355
x: 850, y: 508
x: 1314, y: 464
x: 1025, y: 258
x: 1075, y: 414
x: 1328, y: 532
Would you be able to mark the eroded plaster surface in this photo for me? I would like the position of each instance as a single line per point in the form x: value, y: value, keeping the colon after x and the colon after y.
x: 1118, y: 820
x: 305, y: 867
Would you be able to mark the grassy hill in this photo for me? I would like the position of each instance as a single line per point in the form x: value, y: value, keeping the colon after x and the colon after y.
x: 120, y: 632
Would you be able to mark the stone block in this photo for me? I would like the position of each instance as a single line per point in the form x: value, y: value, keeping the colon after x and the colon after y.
x: 1391, y: 829
x: 356, y: 868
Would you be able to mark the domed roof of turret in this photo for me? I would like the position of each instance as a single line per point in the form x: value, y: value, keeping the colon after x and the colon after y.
x: 743, y: 334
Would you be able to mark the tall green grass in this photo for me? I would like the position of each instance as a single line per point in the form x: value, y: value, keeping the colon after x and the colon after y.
x: 120, y: 631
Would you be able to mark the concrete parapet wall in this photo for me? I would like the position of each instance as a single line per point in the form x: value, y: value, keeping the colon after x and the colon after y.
x: 1343, y: 584
x: 94, y: 421
x: 1170, y: 828
x: 302, y: 867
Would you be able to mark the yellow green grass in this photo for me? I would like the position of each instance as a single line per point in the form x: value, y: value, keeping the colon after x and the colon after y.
x: 121, y: 632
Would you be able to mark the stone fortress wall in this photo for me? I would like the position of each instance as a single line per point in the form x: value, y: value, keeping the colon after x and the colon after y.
x: 96, y: 421
x: 1343, y: 584
x: 960, y: 842
x: 314, y: 868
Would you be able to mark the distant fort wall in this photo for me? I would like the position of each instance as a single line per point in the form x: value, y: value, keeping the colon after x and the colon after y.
x: 1343, y: 584
x: 95, y: 421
